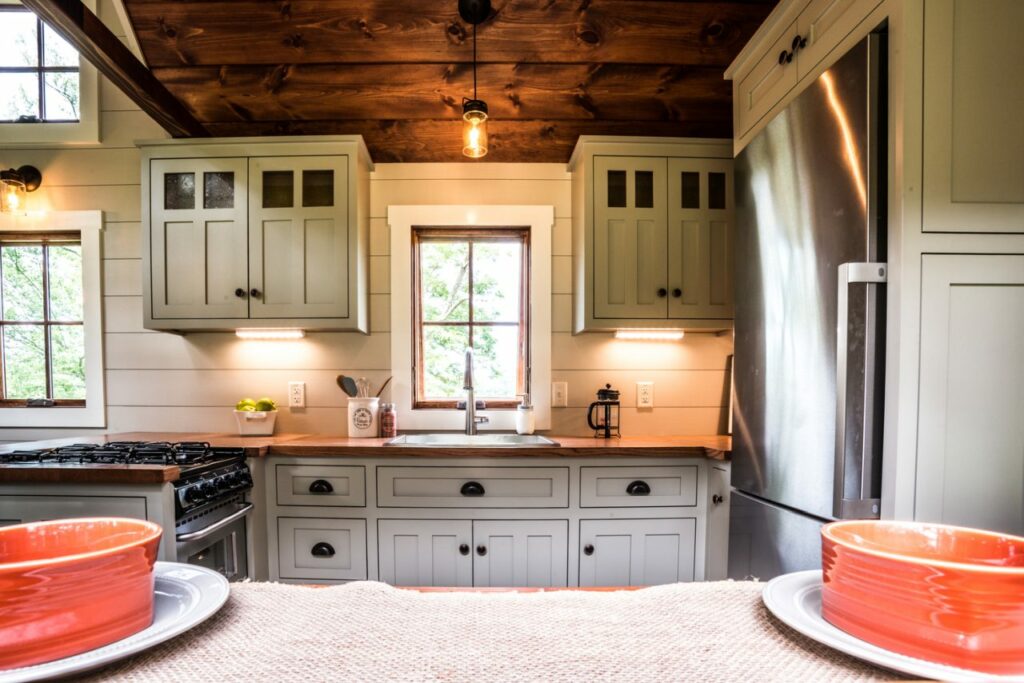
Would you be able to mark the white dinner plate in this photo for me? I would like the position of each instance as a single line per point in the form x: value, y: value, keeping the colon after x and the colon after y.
x: 796, y: 600
x: 186, y: 595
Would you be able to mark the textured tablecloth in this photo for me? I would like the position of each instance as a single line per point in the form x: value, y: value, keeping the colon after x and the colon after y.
x: 369, y: 631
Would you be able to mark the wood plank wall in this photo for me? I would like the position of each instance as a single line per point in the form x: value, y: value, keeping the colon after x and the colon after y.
x: 162, y: 382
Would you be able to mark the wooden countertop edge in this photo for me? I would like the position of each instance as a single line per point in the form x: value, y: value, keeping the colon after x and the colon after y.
x: 88, y: 474
x: 299, y: 450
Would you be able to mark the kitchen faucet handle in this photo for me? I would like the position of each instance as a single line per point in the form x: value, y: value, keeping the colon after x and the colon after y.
x: 479, y: 403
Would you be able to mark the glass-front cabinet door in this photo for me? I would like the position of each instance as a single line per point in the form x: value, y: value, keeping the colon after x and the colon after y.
x: 629, y: 237
x: 299, y: 238
x: 198, y: 238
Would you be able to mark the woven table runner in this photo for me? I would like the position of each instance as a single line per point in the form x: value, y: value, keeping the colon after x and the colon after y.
x: 369, y: 631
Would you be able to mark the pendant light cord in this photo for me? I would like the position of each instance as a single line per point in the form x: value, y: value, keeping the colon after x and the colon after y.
x: 474, y: 62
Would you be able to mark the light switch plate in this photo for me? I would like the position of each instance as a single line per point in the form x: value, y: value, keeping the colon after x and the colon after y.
x: 559, y: 394
x: 296, y: 394
x: 645, y: 394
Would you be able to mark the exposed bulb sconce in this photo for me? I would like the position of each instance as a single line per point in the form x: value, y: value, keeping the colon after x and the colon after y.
x: 15, y: 184
x: 474, y: 111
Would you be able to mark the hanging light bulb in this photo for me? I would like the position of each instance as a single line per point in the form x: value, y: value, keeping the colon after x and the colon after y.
x: 474, y: 111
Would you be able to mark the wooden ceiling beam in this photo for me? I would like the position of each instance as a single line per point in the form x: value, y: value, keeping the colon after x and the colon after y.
x: 94, y: 41
x: 435, y: 91
x: 218, y: 32
x: 510, y: 141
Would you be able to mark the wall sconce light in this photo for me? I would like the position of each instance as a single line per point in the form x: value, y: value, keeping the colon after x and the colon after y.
x: 14, y: 184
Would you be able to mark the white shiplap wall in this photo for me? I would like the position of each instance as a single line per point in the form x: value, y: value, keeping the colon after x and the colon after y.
x: 158, y: 381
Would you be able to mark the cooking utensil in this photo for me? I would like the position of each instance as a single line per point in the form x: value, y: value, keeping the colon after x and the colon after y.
x: 348, y: 385
x: 364, y: 387
x: 383, y: 387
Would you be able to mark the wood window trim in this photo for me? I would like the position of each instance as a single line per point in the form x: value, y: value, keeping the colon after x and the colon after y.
x: 471, y: 235
x: 45, y: 240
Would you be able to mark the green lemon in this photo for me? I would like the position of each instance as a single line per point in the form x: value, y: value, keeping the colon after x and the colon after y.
x: 246, y: 404
x: 266, y: 404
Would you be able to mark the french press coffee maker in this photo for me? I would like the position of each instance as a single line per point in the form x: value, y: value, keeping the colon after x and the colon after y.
x: 603, y: 414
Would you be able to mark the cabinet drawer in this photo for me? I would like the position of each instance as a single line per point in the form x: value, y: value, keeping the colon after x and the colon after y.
x: 473, y: 487
x: 638, y: 486
x: 333, y: 549
x: 321, y: 485
x: 766, y: 83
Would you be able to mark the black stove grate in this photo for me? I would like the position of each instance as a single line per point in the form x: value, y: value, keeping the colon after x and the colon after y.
x: 185, y: 454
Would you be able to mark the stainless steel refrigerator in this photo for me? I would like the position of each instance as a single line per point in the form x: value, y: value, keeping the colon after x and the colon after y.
x: 810, y: 318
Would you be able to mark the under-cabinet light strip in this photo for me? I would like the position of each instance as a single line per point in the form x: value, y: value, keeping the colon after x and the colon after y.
x: 650, y: 335
x: 272, y: 334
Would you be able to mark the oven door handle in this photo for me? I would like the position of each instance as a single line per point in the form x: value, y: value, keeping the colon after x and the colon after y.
x: 216, y: 526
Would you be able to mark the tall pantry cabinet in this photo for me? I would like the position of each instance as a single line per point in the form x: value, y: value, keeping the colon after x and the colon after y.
x: 256, y: 233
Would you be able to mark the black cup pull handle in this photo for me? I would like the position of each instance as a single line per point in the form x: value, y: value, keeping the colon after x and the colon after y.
x: 481, y: 550
x: 240, y: 293
x: 254, y: 293
x: 464, y: 549
x: 472, y: 488
x: 588, y: 549
x: 321, y: 486
x: 638, y: 488
x: 323, y: 550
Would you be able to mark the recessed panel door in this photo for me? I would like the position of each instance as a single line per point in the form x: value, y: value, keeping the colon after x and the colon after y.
x: 431, y: 552
x: 299, y: 237
x: 520, y: 553
x: 198, y: 238
x: 636, y: 552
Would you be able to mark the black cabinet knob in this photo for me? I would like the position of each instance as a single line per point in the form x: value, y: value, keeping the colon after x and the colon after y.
x: 799, y: 43
x: 322, y: 549
x: 481, y: 550
x: 240, y: 293
x: 638, y: 488
x: 588, y: 549
x: 677, y: 292
x: 254, y: 293
x: 717, y: 499
x: 464, y: 549
x: 662, y: 292
x: 472, y: 488
x: 784, y: 57
x: 320, y: 487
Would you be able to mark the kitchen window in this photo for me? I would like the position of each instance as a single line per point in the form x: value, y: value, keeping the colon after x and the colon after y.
x: 471, y: 289
x: 48, y: 93
x: 42, y: 346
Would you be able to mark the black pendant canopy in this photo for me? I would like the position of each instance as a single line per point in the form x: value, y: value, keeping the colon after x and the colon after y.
x: 474, y: 11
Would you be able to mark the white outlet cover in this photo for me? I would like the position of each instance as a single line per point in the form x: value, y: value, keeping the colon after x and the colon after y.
x: 645, y: 394
x: 296, y: 394
x: 559, y: 394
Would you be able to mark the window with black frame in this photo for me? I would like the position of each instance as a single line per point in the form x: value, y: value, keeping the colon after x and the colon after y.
x: 39, y: 71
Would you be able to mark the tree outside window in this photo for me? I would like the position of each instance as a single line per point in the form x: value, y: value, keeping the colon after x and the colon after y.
x: 471, y: 290
x: 39, y: 71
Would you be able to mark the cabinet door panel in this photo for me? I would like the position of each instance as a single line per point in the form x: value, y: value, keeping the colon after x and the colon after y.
x: 824, y: 24
x: 425, y: 552
x: 299, y: 237
x: 521, y: 553
x: 198, y: 238
x: 700, y: 237
x: 973, y: 130
x: 629, y: 237
x: 969, y: 466
x: 637, y: 552
x: 767, y: 83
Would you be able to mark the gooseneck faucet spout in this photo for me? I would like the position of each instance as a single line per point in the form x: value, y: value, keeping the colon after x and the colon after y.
x: 467, y: 383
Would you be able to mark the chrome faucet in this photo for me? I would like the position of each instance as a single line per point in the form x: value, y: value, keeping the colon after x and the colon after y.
x: 467, y: 383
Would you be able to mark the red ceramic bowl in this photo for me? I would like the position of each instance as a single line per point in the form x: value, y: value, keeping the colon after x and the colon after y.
x: 941, y: 593
x: 72, y: 585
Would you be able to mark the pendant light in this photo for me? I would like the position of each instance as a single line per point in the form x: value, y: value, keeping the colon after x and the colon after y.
x: 474, y: 111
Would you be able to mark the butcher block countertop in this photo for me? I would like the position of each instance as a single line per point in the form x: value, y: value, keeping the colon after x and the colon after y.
x: 319, y: 445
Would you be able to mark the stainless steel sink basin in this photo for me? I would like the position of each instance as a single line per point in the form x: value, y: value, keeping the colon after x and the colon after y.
x: 456, y: 440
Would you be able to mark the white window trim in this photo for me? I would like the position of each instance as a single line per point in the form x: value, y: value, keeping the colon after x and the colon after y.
x: 90, y: 225
x: 402, y: 219
x: 86, y: 131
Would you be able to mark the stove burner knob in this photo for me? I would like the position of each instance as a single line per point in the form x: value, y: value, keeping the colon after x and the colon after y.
x: 208, y: 488
x: 194, y: 494
x: 224, y: 482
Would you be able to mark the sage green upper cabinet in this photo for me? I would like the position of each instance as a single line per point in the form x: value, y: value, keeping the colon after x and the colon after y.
x: 298, y: 234
x: 256, y: 233
x: 652, y: 233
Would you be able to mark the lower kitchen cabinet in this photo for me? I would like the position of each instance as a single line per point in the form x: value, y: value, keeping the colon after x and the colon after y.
x: 433, y: 552
x: 333, y: 549
x: 636, y: 552
x: 520, y: 553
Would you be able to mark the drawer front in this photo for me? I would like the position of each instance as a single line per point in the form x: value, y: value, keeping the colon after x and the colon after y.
x: 766, y: 84
x: 333, y: 549
x: 473, y: 487
x: 824, y: 24
x: 321, y: 485
x: 638, y: 486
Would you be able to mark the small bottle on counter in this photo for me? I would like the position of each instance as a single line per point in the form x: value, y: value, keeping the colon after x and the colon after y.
x: 525, y: 418
x: 388, y: 421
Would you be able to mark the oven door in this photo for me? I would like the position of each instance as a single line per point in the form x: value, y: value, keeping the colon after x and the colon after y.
x: 221, y: 545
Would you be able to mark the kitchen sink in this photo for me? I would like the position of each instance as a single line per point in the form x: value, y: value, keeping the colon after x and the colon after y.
x: 456, y: 440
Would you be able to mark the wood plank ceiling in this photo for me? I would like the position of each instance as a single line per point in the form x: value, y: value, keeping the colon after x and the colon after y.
x: 396, y: 72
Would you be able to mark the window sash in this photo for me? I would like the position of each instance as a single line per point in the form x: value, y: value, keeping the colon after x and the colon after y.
x: 40, y: 70
x: 471, y: 236
x: 44, y: 240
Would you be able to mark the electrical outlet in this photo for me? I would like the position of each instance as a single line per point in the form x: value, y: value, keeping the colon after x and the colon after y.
x: 645, y: 394
x: 559, y: 394
x: 296, y: 394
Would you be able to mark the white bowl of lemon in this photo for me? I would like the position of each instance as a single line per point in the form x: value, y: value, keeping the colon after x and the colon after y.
x: 256, y: 418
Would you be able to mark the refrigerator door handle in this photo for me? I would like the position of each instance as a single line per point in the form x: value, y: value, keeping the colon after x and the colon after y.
x: 842, y: 507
